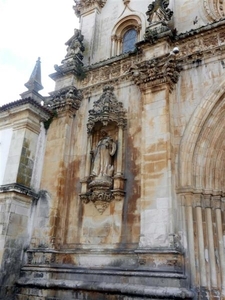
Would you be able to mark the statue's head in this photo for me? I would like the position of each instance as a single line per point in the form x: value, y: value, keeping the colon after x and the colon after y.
x: 104, y: 133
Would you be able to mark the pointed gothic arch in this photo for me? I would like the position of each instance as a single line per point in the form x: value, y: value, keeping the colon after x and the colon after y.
x: 202, y: 149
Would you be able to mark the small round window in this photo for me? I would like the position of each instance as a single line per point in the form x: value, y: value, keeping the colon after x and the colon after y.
x: 129, y: 40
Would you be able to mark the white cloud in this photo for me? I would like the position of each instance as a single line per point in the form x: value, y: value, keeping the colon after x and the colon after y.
x: 29, y: 29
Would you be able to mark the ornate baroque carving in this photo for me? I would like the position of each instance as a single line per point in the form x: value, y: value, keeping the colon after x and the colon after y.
x: 66, y: 99
x: 81, y: 6
x: 107, y: 109
x: 194, y: 48
x: 157, y: 71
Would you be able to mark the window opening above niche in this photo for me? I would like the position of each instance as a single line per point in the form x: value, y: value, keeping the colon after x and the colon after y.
x: 125, y: 35
x: 129, y: 40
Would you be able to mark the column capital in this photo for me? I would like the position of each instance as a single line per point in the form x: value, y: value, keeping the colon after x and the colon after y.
x: 163, y: 70
x: 216, y: 202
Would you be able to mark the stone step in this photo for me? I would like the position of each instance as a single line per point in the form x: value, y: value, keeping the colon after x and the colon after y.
x: 65, y: 289
x: 106, y: 275
x: 130, y: 284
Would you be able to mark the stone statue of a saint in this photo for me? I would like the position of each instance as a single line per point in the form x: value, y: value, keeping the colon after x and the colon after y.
x: 75, y: 45
x: 102, y: 156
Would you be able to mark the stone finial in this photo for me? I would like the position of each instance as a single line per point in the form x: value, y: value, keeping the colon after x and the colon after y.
x: 34, y: 83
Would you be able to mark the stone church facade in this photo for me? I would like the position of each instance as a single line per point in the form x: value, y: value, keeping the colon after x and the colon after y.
x: 113, y: 186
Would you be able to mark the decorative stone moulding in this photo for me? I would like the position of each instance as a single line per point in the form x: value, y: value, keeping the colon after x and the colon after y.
x: 157, y: 71
x: 18, y: 188
x: 214, y: 10
x: 65, y: 99
x: 83, y: 6
x: 107, y: 109
x: 104, y: 181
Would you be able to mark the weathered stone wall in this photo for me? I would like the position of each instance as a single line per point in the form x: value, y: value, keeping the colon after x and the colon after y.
x: 14, y: 238
x: 5, y: 140
x: 17, y: 200
x: 165, y: 236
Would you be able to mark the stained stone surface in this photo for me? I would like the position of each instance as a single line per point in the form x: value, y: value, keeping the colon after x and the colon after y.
x: 155, y: 229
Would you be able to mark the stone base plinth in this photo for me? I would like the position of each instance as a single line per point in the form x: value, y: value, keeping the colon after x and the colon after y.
x: 106, y: 274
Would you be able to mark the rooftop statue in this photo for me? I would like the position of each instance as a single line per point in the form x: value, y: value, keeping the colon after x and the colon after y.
x: 158, y: 11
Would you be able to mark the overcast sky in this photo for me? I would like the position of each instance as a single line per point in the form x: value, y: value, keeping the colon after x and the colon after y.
x: 30, y: 29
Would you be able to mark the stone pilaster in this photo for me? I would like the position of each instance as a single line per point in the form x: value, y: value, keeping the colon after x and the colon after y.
x: 53, y: 204
x: 156, y: 79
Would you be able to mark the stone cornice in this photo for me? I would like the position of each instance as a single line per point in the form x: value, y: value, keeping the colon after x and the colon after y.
x: 193, y: 46
x: 18, y: 188
x: 20, y: 104
x: 24, y: 113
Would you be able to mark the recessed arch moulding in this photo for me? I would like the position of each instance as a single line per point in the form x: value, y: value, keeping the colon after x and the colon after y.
x: 202, y: 150
x: 131, y: 21
x: 213, y: 10
x: 201, y: 190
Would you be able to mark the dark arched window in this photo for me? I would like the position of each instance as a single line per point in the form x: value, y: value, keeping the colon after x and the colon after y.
x: 129, y: 40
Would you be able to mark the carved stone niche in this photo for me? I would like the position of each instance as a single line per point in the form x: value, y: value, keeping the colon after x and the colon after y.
x: 104, y: 180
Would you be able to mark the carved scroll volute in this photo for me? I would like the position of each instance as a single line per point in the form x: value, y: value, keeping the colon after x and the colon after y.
x: 104, y: 180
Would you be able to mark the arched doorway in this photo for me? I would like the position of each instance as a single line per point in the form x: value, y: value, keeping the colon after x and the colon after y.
x: 201, y: 189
